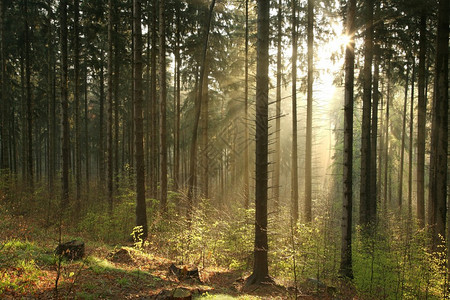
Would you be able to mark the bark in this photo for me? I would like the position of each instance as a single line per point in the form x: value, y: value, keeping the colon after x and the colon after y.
x: 421, y: 119
x: 374, y: 134
x: 141, y: 211
x: 246, y: 142
x: 101, y: 145
x: 162, y: 107
x: 4, y: 162
x: 260, y: 267
x: 277, y: 158
x: 177, y: 99
x: 154, y: 109
x: 411, y: 131
x: 197, y: 114
x: 116, y: 101
x: 367, y: 216
x: 30, y: 174
x: 77, y: 107
x: 109, y: 111
x: 439, y: 130
x: 294, y: 166
x: 346, y: 268
x: 309, y: 103
x: 386, y: 140
x: 64, y: 107
x: 86, y: 131
x: 204, y: 133
x: 402, y: 151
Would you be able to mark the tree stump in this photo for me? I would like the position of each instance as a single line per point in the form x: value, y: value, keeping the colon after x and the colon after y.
x: 184, y: 272
x: 71, y: 250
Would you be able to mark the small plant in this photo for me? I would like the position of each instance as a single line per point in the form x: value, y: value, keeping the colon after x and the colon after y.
x: 137, y: 234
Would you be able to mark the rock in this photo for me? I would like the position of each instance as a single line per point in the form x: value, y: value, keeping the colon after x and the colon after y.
x: 71, y: 250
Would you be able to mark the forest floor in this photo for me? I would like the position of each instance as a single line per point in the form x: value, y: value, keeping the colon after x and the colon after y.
x: 29, y: 268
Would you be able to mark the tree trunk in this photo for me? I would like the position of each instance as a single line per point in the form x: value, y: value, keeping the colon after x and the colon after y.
x: 309, y: 100
x: 177, y: 98
x: 411, y: 131
x: 101, y: 145
x: 402, y: 151
x: 141, y: 211
x: 4, y: 162
x: 77, y: 108
x: 439, y: 130
x: 116, y: 100
x: 86, y: 130
x: 204, y: 159
x: 197, y: 115
x: 294, y: 166
x: 366, y: 214
x: 30, y: 108
x: 421, y: 120
x: 109, y: 103
x: 246, y: 140
x: 277, y: 159
x: 260, y: 266
x: 386, y: 139
x: 162, y: 108
x: 154, y: 108
x: 346, y: 268
x: 64, y: 107
x: 374, y: 135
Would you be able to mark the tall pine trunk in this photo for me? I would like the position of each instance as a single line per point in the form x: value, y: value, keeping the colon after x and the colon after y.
x: 402, y: 150
x: 109, y: 110
x: 411, y: 131
x: 77, y: 108
x: 141, y: 210
x: 294, y: 166
x: 421, y: 120
x: 439, y: 130
x: 246, y: 142
x: 309, y: 103
x: 198, y: 104
x: 346, y: 268
x: 64, y: 107
x: 162, y: 106
x: 366, y: 214
x: 260, y: 265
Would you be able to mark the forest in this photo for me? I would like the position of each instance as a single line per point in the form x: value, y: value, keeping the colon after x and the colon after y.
x: 224, y: 149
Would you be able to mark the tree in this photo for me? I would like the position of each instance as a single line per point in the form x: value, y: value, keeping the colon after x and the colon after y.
x: 30, y: 175
x: 109, y: 103
x: 308, y: 150
x: 421, y: 115
x: 141, y: 210
x: 64, y: 107
x: 198, y: 104
x: 77, y: 106
x: 246, y: 150
x: 366, y: 214
x: 162, y: 108
x: 346, y: 269
x: 260, y: 265
x: 402, y: 151
x: 294, y: 166
x: 277, y: 159
x: 439, y: 130
x: 4, y: 162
